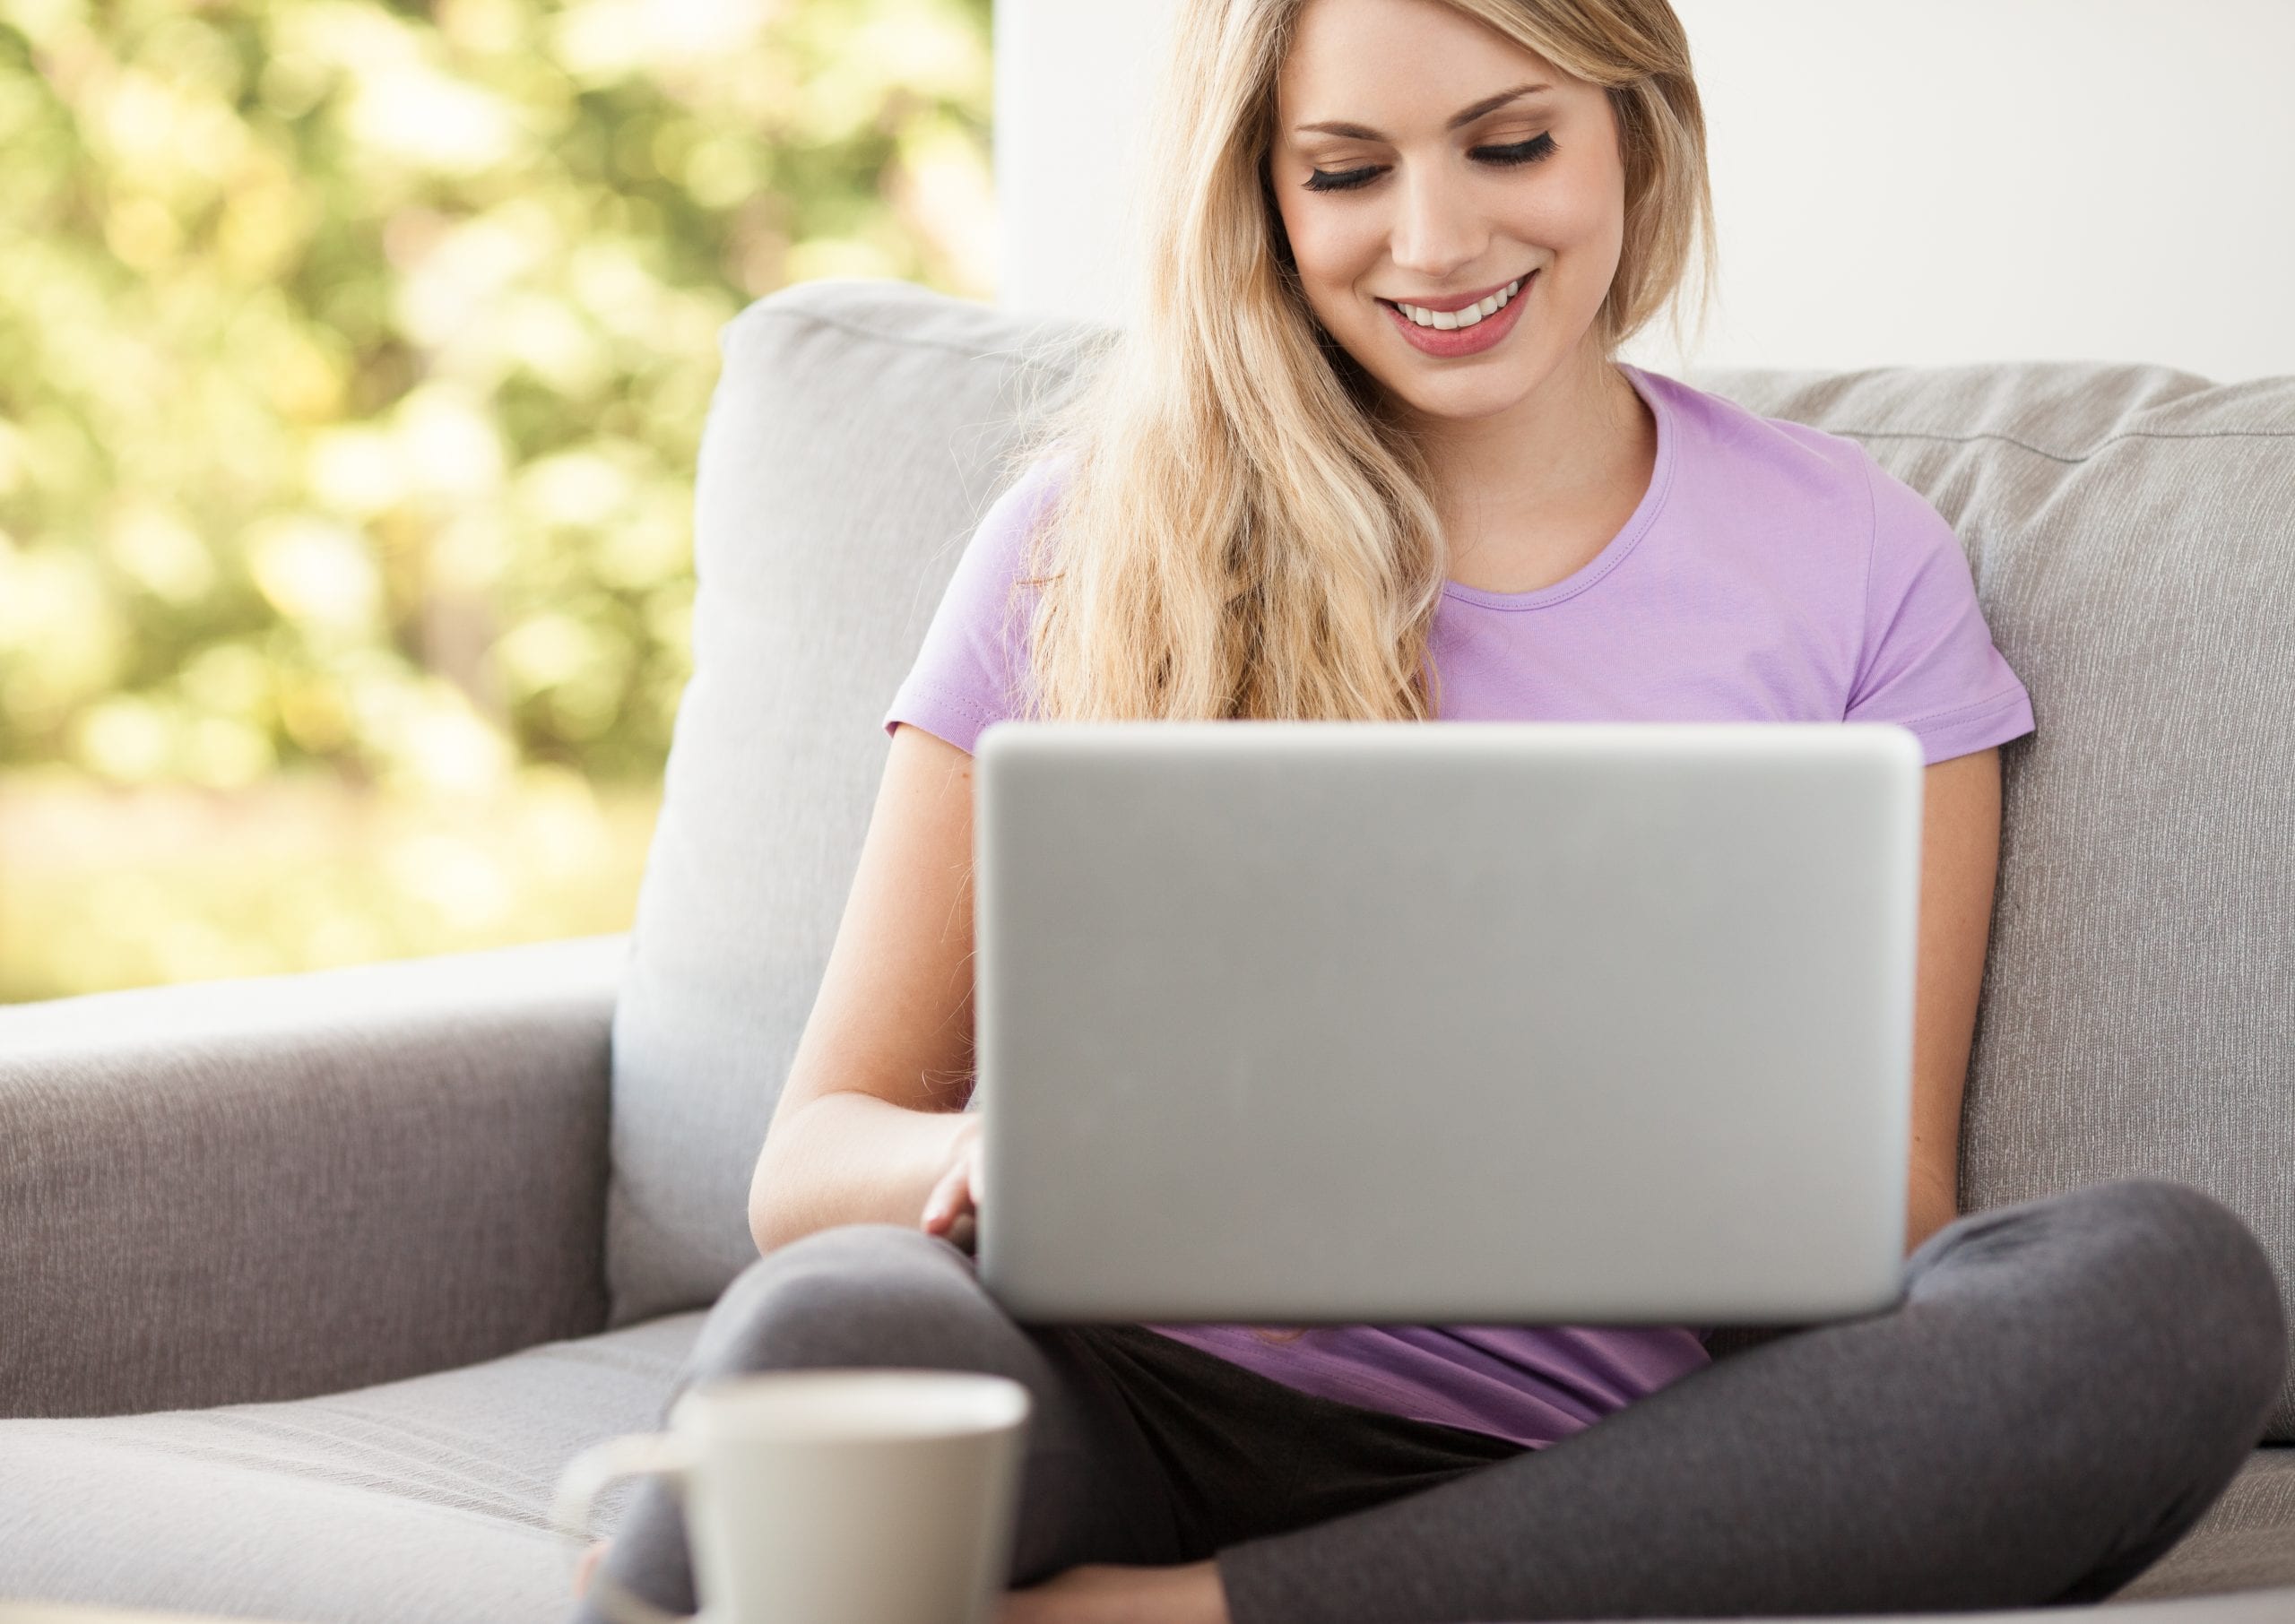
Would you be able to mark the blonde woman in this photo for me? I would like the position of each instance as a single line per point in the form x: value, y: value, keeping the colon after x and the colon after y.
x: 1365, y: 451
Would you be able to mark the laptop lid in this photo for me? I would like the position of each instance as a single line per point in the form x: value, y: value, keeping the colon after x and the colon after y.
x: 1526, y: 1023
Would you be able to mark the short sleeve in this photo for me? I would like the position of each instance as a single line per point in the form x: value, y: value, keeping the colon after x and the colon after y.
x: 1928, y: 662
x: 968, y: 671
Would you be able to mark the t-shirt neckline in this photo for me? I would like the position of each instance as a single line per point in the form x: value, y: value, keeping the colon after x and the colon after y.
x: 1637, y: 524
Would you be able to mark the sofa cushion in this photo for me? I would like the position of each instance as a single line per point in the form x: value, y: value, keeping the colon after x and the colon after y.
x: 2245, y: 1543
x: 2129, y: 532
x: 849, y: 451
x: 429, y: 1499
x: 424, y: 1498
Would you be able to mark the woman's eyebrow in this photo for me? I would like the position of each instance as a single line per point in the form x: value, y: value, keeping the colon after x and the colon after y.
x: 1465, y: 116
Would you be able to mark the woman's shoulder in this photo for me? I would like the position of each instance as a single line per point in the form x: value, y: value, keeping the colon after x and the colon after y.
x: 1045, y: 469
x: 1022, y: 487
x: 1737, y: 450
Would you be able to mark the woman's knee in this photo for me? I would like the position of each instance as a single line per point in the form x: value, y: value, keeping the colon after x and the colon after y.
x: 2233, y: 1293
x: 2153, y: 1279
x: 858, y: 1294
x: 2186, y: 1261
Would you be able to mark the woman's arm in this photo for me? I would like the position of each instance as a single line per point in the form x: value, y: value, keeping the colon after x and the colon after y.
x: 1959, y: 840
x: 868, y: 1121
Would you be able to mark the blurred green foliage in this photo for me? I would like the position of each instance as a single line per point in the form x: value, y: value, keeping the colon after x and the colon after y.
x: 353, y: 357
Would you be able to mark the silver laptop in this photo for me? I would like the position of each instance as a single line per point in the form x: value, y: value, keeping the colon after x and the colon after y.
x: 1464, y: 1023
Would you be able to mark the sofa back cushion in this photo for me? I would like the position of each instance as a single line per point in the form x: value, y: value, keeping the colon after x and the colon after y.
x: 850, y: 449
x: 2132, y: 533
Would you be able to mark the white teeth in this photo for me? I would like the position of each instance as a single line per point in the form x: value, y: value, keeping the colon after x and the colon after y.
x: 1445, y: 321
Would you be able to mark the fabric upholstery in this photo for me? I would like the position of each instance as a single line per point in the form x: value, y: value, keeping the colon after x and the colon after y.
x: 848, y: 452
x: 2131, y: 532
x: 236, y: 1190
x: 427, y: 1500
x: 2245, y: 1543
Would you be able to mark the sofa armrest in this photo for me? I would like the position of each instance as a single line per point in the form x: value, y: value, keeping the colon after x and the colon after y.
x: 282, y: 1186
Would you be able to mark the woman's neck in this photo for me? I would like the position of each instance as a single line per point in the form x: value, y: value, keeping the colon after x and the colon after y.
x: 1566, y: 449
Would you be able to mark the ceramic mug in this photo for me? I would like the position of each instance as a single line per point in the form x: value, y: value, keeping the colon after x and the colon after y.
x: 826, y: 1496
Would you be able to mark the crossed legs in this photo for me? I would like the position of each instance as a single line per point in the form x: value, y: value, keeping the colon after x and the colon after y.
x: 2065, y: 1387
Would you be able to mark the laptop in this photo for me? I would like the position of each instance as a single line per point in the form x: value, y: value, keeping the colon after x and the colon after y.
x: 1302, y: 1022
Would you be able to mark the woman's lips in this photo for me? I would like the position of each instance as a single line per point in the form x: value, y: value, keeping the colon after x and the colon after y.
x: 1463, y: 340
x: 1459, y: 301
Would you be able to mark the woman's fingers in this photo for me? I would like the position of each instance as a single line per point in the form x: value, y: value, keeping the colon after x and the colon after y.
x: 949, y: 1199
x: 956, y: 1196
x: 964, y: 1228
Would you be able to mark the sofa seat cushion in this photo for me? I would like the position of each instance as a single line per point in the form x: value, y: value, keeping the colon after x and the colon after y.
x: 427, y: 1497
x: 2245, y: 1543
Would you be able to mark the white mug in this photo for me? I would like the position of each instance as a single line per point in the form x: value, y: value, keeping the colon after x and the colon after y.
x: 827, y: 1496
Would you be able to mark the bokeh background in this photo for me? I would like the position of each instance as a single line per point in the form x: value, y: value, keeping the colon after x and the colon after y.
x: 353, y: 359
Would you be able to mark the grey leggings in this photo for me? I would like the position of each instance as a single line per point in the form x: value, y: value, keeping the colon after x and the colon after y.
x: 2065, y: 1384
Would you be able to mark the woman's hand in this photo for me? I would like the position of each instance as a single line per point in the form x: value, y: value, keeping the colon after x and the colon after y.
x: 953, y: 1208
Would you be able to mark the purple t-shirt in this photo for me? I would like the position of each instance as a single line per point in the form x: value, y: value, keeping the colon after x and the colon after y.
x: 1771, y: 572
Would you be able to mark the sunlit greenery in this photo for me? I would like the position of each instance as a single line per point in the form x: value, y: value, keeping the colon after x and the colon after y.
x: 353, y: 357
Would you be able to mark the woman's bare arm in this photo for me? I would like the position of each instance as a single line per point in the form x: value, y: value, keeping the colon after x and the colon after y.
x: 1960, y: 857
x: 868, y: 1118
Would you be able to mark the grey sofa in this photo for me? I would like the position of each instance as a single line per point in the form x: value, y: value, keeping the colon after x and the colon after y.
x: 312, y: 1285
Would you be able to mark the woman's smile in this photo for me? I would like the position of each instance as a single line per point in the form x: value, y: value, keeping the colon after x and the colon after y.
x: 1479, y: 332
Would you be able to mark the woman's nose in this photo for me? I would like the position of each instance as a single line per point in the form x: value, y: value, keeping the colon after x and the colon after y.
x: 1434, y: 230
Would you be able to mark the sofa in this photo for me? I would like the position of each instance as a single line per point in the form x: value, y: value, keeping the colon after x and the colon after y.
x: 313, y: 1285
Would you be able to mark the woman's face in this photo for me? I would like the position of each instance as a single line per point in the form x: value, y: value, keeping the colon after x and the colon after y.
x: 1434, y: 183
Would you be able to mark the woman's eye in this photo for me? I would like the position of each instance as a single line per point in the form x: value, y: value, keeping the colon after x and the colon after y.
x: 1506, y: 157
x: 1521, y: 152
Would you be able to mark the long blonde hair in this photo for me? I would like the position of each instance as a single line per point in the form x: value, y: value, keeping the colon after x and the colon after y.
x: 1239, y: 531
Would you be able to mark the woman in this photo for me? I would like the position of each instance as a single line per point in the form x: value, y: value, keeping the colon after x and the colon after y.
x: 1364, y: 452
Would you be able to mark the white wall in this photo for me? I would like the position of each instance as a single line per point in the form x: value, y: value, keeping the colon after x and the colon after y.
x: 1895, y: 181
x: 1073, y: 82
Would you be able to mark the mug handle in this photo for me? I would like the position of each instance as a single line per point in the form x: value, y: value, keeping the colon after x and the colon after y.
x: 666, y: 1453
